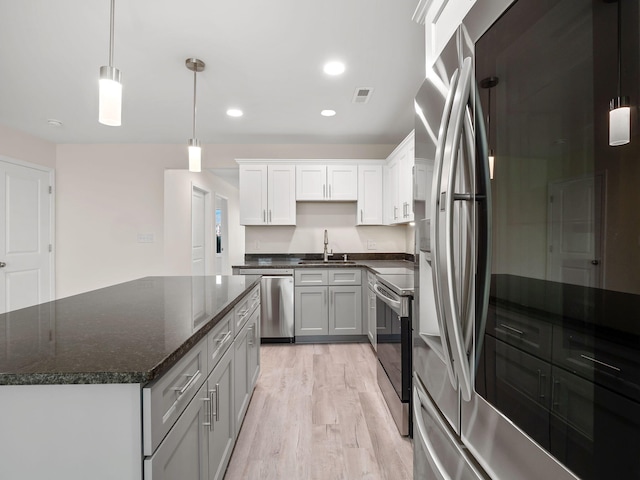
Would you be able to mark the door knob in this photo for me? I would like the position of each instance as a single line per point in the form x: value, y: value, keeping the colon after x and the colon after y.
x: 595, y: 262
x: 2, y: 264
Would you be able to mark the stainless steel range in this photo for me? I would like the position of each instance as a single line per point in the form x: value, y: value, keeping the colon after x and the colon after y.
x: 394, y: 295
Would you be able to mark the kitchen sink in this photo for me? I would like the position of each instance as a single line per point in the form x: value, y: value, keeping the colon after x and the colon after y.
x: 329, y: 262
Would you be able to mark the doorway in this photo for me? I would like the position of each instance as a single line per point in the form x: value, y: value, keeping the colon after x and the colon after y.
x: 199, y: 231
x: 26, y: 235
x: 222, y: 236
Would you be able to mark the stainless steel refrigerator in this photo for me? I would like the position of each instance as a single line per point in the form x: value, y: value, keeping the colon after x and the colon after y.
x: 526, y: 339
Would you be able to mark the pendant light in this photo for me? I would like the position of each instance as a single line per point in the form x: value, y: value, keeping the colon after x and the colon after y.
x: 195, y: 151
x: 489, y: 83
x: 110, y: 89
x: 619, y: 107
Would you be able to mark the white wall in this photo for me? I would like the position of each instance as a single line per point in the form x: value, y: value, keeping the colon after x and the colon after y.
x: 22, y: 146
x: 308, y: 235
x: 108, y: 194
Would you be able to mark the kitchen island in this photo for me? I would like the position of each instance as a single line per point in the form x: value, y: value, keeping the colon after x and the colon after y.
x: 91, y: 386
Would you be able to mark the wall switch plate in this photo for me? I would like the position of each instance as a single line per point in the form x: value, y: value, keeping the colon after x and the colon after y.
x: 371, y: 245
x: 146, y: 238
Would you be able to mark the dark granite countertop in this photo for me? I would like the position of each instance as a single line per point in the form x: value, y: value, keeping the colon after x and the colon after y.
x: 126, y: 333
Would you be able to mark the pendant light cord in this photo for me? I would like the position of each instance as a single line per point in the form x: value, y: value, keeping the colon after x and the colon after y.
x: 619, y: 48
x: 489, y: 121
x: 194, y: 103
x: 113, y: 9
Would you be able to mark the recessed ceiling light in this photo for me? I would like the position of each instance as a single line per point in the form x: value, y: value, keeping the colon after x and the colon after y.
x: 328, y: 113
x: 234, y: 112
x: 334, y: 68
x: 54, y: 123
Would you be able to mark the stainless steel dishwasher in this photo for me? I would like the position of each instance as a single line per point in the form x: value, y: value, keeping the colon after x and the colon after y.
x: 276, y: 307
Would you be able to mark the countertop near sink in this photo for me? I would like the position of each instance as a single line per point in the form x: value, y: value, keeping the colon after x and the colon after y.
x: 127, y: 333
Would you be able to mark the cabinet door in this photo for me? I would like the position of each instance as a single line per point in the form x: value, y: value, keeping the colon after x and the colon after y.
x: 184, y: 452
x: 441, y: 20
x: 343, y: 182
x: 222, y: 432
x: 253, y: 350
x: 311, y: 182
x: 253, y: 194
x: 241, y: 375
x: 311, y: 311
x: 281, y: 195
x: 369, y: 209
x: 345, y: 310
x: 371, y: 318
x: 405, y: 181
x: 390, y: 197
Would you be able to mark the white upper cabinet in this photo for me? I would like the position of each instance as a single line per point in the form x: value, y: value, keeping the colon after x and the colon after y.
x: 398, y: 183
x: 267, y: 194
x: 369, y: 209
x: 440, y: 18
x: 327, y: 182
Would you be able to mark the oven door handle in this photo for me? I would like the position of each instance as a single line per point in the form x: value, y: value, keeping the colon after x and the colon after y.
x: 392, y: 302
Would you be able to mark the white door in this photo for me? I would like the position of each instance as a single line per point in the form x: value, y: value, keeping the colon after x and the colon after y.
x: 25, y: 237
x: 575, y: 219
x: 198, y: 232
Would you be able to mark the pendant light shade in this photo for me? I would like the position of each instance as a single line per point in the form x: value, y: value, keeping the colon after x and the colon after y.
x: 488, y: 83
x: 619, y: 121
x: 195, y: 155
x: 619, y: 107
x: 110, y: 87
x: 195, y: 151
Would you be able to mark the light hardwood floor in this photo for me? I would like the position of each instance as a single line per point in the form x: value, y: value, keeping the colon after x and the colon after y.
x: 317, y: 413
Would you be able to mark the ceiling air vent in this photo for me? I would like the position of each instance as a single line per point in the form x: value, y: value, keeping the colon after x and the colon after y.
x: 362, y: 94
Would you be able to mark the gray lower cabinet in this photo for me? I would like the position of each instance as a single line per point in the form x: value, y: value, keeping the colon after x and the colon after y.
x: 311, y: 311
x: 184, y: 453
x: 246, y: 365
x: 198, y: 445
x: 345, y: 310
x: 328, y: 302
x: 222, y: 433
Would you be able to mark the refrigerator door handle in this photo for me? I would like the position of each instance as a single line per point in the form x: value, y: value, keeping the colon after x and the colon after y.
x: 452, y: 308
x: 435, y: 227
x: 419, y: 401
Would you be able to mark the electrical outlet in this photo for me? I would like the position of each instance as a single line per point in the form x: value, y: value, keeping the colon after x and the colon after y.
x: 146, y: 238
x: 371, y: 245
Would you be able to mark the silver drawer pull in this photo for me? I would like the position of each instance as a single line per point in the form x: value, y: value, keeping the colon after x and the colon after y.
x: 222, y: 338
x: 600, y: 363
x: 251, y: 339
x: 214, y: 395
x: 243, y: 313
x: 515, y: 330
x: 192, y: 378
x: 207, y: 413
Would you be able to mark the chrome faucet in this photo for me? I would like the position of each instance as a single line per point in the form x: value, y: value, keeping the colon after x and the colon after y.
x: 325, y: 254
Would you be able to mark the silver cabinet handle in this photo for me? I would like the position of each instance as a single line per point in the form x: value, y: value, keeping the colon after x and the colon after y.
x: 2, y: 264
x: 192, y: 378
x: 216, y: 414
x: 554, y: 405
x: 591, y: 359
x: 264, y: 216
x: 324, y: 191
x: 329, y: 190
x: 395, y: 212
x: 243, y: 313
x: 251, y: 339
x: 361, y: 216
x: 514, y: 330
x: 270, y: 219
x: 207, y: 413
x: 541, y: 377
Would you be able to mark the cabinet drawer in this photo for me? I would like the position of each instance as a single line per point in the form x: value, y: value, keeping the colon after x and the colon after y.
x: 167, y: 397
x: 352, y: 276
x: 243, y: 310
x: 525, y: 332
x: 598, y: 360
x: 311, y: 277
x: 219, y: 339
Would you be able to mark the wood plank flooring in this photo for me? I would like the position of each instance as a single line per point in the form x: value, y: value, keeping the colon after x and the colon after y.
x: 317, y: 413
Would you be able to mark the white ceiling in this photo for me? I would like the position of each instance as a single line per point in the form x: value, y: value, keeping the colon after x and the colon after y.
x: 262, y: 56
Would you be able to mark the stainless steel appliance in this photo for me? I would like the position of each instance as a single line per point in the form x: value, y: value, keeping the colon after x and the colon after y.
x: 526, y: 360
x: 276, y: 307
x: 393, y: 311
